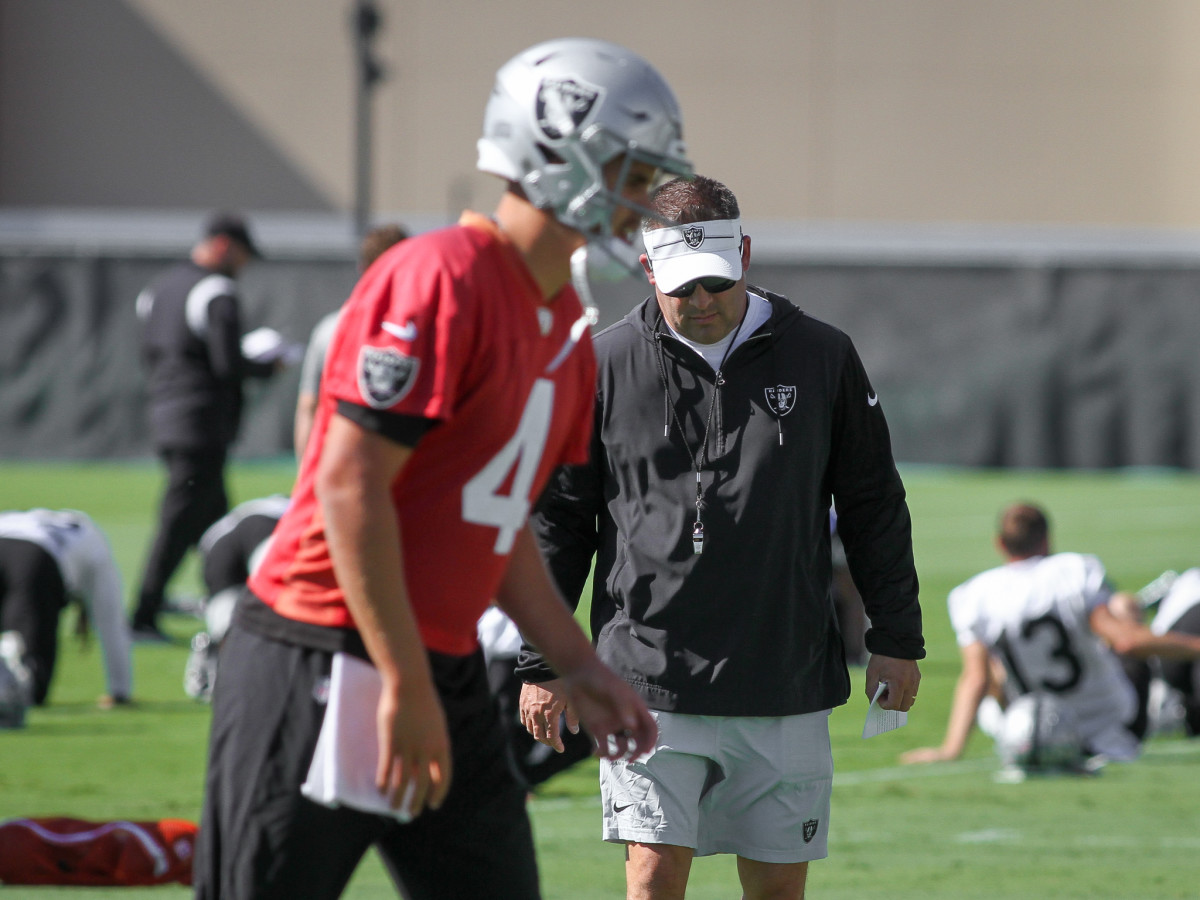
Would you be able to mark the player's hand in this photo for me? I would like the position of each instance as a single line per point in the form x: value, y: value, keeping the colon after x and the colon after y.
x: 414, y: 748
x: 923, y: 755
x: 541, y: 707
x: 902, y: 676
x: 611, y: 712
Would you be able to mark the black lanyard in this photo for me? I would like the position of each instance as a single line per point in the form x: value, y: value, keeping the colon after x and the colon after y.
x: 699, y: 459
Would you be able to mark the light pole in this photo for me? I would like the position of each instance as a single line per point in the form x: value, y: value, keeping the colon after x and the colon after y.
x: 370, y: 72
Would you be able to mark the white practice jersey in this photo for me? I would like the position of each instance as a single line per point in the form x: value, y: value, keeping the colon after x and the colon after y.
x: 90, y: 575
x: 1033, y: 615
x: 1183, y: 595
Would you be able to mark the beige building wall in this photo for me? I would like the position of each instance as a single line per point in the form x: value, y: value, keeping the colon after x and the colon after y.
x: 1078, y: 112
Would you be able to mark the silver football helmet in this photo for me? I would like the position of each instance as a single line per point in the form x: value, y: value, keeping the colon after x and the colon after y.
x: 561, y: 110
x: 1040, y: 734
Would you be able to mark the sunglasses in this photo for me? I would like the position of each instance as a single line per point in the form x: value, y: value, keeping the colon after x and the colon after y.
x: 710, y: 285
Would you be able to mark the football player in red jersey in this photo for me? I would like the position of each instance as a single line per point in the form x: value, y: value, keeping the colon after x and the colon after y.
x: 459, y: 377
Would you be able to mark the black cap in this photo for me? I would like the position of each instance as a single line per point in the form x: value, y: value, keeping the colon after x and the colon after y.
x: 234, y: 228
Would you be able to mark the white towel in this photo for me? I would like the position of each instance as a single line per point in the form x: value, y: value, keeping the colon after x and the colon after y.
x: 342, y: 772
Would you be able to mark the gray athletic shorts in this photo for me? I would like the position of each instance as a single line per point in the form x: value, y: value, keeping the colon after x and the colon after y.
x: 755, y: 786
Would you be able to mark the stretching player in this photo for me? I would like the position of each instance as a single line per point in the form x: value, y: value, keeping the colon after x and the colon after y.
x: 49, y: 558
x: 1047, y: 618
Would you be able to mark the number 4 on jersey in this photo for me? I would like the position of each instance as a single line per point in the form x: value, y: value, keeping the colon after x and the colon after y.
x: 482, y: 500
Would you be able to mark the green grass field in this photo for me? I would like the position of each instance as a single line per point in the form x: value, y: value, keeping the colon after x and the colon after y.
x: 946, y: 831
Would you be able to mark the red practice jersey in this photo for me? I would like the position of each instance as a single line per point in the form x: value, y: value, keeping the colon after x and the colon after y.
x: 448, y: 326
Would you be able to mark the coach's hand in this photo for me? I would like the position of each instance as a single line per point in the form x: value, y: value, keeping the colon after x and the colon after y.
x: 610, y: 710
x: 414, y: 748
x: 542, y: 706
x: 901, y: 676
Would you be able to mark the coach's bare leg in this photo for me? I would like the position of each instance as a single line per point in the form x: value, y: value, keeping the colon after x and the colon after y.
x: 656, y: 871
x: 772, y: 881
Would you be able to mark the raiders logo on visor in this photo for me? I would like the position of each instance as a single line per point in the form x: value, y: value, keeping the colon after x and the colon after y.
x: 693, y: 236
x: 563, y: 105
x: 385, y: 375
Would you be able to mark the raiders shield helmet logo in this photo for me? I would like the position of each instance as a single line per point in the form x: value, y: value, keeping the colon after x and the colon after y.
x: 385, y: 375
x: 781, y: 398
x: 563, y: 105
x: 693, y: 236
x: 810, y: 830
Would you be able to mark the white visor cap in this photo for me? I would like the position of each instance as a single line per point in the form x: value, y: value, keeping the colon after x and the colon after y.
x: 684, y: 253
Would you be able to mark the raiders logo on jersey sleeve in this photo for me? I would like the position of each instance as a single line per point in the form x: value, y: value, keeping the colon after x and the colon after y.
x: 385, y: 375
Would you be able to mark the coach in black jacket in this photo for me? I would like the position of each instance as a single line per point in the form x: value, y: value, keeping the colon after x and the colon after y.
x: 191, y: 348
x: 726, y: 422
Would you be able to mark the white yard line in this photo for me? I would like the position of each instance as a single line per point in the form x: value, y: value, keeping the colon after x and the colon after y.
x: 907, y: 773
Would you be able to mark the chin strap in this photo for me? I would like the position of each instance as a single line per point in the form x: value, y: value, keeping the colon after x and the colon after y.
x: 583, y: 287
x: 605, y: 259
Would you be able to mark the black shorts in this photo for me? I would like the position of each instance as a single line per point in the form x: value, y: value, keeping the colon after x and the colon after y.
x: 32, y: 595
x: 260, y: 838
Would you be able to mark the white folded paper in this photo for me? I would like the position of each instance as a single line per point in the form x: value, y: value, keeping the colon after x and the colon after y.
x: 342, y: 772
x: 879, y: 719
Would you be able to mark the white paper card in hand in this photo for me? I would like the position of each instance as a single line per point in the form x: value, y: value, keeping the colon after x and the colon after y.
x: 879, y: 719
x: 342, y: 772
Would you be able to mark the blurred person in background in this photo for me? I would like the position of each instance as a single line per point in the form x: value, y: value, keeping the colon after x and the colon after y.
x: 1176, y: 606
x: 851, y: 616
x: 726, y: 423
x: 50, y: 558
x: 230, y: 549
x: 1050, y: 620
x: 195, y: 365
x: 374, y: 243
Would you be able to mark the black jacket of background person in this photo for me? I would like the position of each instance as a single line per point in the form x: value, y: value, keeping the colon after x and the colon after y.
x: 191, y: 347
x: 748, y: 627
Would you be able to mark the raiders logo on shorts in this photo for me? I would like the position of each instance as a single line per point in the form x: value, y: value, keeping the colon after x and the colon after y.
x: 385, y: 375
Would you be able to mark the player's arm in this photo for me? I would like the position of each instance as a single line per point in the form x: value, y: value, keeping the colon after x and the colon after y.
x: 592, y: 693
x: 968, y: 693
x: 565, y: 523
x: 354, y: 478
x: 106, y: 606
x: 1129, y: 638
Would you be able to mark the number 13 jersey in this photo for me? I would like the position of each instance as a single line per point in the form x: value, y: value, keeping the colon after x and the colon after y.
x: 448, y: 327
x: 1033, y: 614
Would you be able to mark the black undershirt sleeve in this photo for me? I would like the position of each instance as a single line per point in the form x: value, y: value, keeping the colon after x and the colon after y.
x: 406, y: 430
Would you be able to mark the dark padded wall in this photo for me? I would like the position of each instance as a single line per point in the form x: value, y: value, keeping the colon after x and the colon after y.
x: 71, y: 383
x: 1073, y: 366
x: 1088, y: 365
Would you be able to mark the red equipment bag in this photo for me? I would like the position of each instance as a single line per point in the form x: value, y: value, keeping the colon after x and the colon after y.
x: 74, y: 851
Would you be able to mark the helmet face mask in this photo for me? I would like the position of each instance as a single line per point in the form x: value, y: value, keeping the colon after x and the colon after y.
x: 562, y: 110
x: 1040, y: 734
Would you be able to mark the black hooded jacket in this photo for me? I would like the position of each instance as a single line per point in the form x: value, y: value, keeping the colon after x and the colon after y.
x: 747, y: 627
x: 191, y: 349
